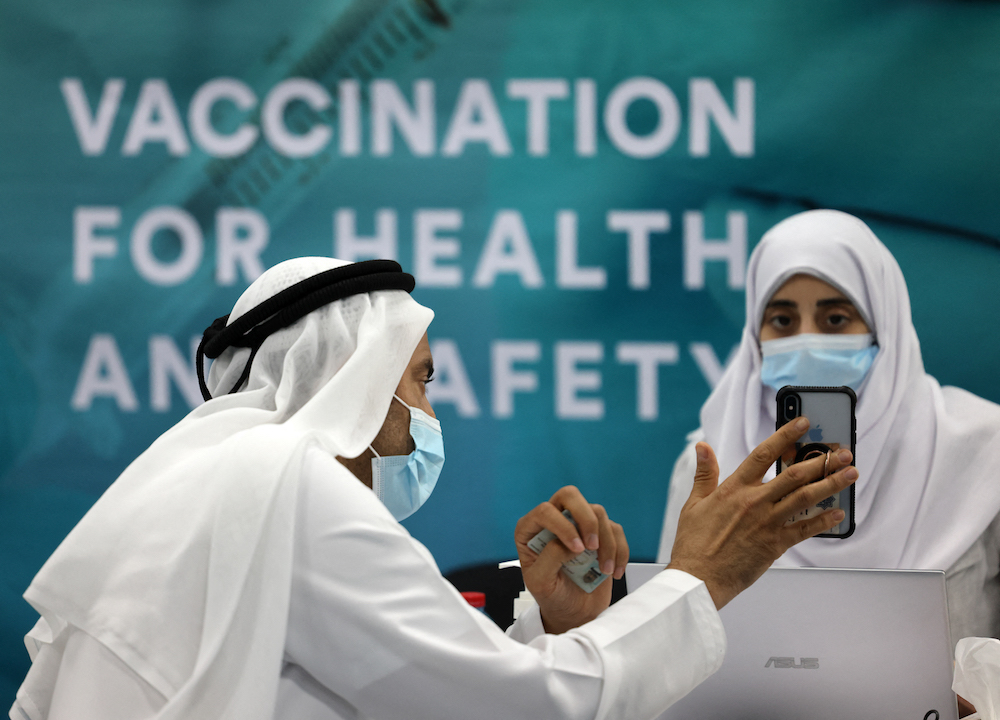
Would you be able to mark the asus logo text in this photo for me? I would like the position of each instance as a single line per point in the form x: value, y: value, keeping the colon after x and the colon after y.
x: 789, y: 662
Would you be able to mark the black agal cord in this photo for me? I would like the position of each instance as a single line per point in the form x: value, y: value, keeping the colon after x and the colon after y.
x: 277, y: 312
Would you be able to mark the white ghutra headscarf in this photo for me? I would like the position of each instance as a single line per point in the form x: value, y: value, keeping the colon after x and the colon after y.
x: 928, y: 457
x: 182, y: 568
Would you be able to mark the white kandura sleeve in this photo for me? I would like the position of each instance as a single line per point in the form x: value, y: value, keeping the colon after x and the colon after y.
x: 380, y: 633
x: 681, y: 482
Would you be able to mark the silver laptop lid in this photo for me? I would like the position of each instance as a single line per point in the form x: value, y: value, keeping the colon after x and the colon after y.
x: 828, y: 644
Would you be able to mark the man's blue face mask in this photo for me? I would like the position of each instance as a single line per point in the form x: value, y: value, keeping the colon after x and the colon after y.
x: 404, y: 482
x: 817, y: 359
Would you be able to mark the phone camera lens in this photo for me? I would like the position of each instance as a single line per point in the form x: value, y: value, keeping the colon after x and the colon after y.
x: 791, y: 406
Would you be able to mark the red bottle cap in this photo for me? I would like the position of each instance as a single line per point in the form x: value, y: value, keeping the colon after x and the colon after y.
x: 475, y: 599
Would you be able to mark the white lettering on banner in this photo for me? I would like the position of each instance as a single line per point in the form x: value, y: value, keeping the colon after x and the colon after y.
x: 389, y: 108
x: 186, y: 230
x: 585, y: 127
x: 507, y: 380
x: 429, y: 247
x: 349, y: 114
x: 87, y: 244
x: 736, y: 128
x: 578, y: 376
x: 350, y: 246
x: 708, y: 363
x: 92, y: 130
x: 638, y: 224
x: 568, y: 274
x: 732, y: 249
x: 668, y: 123
x: 451, y: 381
x: 647, y: 358
x: 155, y: 119
x: 200, y: 117
x: 167, y: 363
x: 475, y: 118
x: 508, y: 250
x: 104, y: 375
x: 538, y: 93
x: 272, y: 118
x: 570, y: 380
x: 241, y: 234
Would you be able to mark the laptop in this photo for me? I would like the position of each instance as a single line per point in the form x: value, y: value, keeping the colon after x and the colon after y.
x: 828, y: 644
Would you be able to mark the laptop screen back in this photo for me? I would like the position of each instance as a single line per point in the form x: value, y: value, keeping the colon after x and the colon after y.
x: 828, y: 644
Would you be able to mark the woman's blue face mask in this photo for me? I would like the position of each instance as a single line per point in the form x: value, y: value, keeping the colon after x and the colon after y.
x: 817, y: 359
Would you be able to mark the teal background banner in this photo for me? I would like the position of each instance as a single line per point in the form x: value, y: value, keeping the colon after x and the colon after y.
x: 576, y: 187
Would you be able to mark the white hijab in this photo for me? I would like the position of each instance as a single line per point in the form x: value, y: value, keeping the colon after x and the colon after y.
x: 928, y: 457
x: 182, y: 568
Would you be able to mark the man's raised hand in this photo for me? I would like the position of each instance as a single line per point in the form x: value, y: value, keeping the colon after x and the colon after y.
x: 729, y: 534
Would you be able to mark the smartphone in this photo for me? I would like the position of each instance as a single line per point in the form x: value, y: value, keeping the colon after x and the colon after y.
x: 832, y: 425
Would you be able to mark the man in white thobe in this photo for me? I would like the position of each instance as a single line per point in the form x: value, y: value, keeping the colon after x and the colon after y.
x: 250, y: 564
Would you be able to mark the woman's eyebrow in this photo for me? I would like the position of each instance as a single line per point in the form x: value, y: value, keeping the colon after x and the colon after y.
x: 834, y: 301
x: 782, y: 303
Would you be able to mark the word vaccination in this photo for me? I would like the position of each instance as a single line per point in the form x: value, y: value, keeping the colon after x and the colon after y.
x: 297, y: 116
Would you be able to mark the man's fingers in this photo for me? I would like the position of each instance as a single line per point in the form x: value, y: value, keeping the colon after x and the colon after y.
x: 549, y: 517
x: 810, y: 494
x: 764, y: 455
x: 549, y: 562
x: 621, y: 551
x: 807, y: 471
x: 587, y: 523
x: 805, y: 529
x: 706, y: 475
x: 796, y: 476
x: 608, y: 552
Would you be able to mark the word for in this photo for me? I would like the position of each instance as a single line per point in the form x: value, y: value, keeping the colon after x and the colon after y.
x: 578, y: 368
x: 296, y: 117
x: 242, y: 234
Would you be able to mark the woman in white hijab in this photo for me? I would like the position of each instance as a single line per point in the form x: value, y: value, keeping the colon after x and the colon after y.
x: 929, y: 456
x: 237, y: 570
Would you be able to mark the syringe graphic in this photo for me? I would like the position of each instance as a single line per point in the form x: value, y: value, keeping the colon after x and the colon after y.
x: 369, y: 39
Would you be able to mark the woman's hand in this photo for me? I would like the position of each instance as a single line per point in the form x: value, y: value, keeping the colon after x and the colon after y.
x: 562, y: 603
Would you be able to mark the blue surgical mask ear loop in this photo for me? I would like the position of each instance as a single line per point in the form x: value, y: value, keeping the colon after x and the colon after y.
x: 372, y: 447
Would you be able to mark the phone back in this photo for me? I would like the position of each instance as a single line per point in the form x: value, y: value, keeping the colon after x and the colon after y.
x: 832, y: 426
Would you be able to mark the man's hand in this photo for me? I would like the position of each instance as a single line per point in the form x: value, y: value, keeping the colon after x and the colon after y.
x: 729, y: 534
x: 563, y: 605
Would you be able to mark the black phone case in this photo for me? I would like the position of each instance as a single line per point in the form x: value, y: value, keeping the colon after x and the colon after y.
x: 782, y: 395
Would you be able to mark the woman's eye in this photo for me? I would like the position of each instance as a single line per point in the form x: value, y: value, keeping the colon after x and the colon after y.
x: 781, y: 321
x: 838, y: 320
